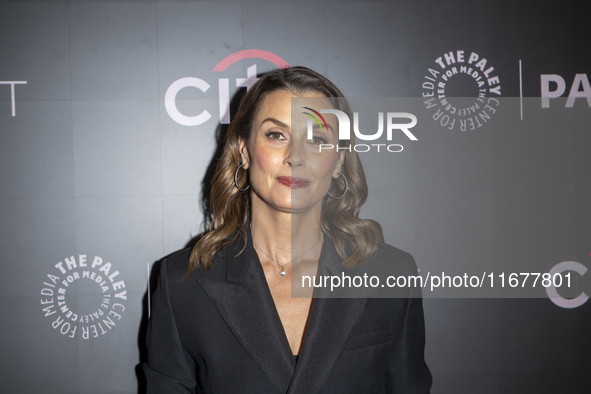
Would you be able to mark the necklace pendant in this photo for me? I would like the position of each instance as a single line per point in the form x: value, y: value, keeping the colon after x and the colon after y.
x: 282, y: 273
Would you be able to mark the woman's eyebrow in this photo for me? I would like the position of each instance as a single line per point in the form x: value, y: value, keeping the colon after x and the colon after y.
x: 316, y: 127
x: 277, y: 122
x: 281, y: 124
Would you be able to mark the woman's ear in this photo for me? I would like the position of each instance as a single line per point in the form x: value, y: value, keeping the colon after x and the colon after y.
x: 244, y: 158
x: 337, y: 170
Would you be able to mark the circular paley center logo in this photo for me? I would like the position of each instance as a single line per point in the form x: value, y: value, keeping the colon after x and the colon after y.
x: 461, y: 90
x: 84, y: 297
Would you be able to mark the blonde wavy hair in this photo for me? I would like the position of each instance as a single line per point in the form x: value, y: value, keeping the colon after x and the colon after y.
x: 355, y: 239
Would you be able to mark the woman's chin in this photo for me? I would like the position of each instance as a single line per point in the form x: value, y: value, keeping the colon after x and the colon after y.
x: 300, y: 205
x: 296, y: 201
x: 292, y: 206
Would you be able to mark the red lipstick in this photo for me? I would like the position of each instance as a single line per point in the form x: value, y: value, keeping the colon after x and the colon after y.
x: 293, y: 183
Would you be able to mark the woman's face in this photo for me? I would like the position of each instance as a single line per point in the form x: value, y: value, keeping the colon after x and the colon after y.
x: 287, y: 171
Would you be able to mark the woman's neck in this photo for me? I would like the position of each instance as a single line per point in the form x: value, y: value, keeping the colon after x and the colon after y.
x: 283, y: 235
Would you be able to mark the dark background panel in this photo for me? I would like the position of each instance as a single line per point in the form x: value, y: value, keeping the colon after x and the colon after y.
x: 94, y: 164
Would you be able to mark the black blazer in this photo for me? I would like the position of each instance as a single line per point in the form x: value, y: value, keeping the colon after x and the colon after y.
x: 219, y: 332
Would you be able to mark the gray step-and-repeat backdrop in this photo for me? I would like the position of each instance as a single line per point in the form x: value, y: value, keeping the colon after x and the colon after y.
x: 110, y: 117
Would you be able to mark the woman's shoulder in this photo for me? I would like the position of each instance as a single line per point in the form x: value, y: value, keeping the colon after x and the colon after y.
x: 394, y: 260
x: 177, y: 263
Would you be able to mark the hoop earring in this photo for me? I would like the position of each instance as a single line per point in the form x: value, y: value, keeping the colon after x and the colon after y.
x: 236, y: 179
x: 346, y: 188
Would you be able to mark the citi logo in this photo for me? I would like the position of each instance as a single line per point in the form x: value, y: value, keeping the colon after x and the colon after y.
x: 223, y: 87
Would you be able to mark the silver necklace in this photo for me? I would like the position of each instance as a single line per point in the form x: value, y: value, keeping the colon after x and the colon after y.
x: 282, y: 273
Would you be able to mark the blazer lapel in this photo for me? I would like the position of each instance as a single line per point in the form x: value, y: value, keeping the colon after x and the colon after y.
x: 329, y: 326
x: 245, y: 303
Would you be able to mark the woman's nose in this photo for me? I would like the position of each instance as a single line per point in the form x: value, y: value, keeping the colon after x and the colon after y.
x: 294, y: 156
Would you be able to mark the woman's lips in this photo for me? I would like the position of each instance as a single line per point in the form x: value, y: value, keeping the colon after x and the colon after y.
x: 293, y: 183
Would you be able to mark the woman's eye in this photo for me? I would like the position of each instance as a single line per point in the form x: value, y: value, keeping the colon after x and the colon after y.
x: 275, y: 136
x: 316, y: 140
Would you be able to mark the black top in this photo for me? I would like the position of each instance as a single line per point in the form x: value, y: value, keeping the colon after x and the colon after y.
x: 218, y: 331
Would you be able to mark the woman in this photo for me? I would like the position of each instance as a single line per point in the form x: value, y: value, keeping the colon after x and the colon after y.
x: 223, y: 319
